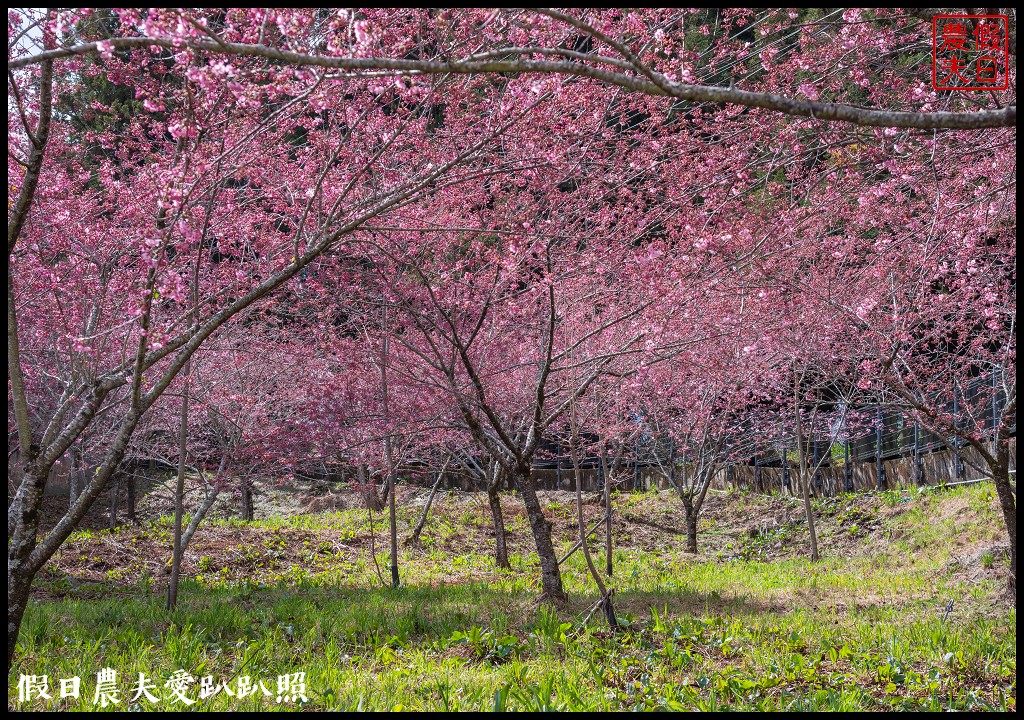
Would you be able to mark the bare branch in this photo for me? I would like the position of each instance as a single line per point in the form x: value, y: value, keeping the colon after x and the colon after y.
x: 1006, y: 117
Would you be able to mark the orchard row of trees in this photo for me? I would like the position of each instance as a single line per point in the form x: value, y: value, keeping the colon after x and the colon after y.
x: 241, y: 239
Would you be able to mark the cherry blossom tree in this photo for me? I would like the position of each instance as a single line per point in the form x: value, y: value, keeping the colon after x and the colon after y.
x: 938, y: 334
x: 539, y: 196
x: 246, y: 173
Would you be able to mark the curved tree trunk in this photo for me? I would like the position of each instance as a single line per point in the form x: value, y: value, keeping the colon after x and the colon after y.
x: 550, y: 576
x: 19, y: 549
x: 606, y: 596
x: 212, y: 493
x: 26, y: 554
x: 198, y: 516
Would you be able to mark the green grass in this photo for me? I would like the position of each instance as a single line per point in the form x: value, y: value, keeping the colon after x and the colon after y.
x: 863, y: 629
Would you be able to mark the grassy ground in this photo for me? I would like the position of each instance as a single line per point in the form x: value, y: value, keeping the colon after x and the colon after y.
x: 747, y: 624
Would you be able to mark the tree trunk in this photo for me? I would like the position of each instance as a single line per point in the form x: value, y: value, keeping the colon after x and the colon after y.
x: 247, y: 506
x: 130, y: 492
x: 369, y: 489
x: 179, y: 488
x: 392, y: 515
x: 179, y: 492
x: 691, y: 525
x: 19, y: 585
x: 414, y: 539
x: 608, y: 513
x: 388, y: 454
x: 76, y: 475
x: 23, y: 522
x: 26, y: 553
x: 500, y: 546
x: 115, y: 486
x: 550, y: 576
x: 804, y: 482
x: 193, y: 525
x: 606, y: 596
x: 804, y: 478
x: 1008, y: 504
x: 19, y: 574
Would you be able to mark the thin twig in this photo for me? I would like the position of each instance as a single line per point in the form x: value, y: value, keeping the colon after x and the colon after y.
x: 580, y: 543
x: 373, y: 548
x: 594, y: 607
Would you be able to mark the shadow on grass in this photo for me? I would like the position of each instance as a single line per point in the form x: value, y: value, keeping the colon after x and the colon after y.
x: 311, y: 614
x: 687, y: 602
x: 348, y: 615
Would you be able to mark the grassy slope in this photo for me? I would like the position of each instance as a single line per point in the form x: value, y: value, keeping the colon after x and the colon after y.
x: 747, y: 624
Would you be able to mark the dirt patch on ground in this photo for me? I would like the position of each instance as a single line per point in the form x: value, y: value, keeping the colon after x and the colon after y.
x: 141, y: 554
x: 154, y: 493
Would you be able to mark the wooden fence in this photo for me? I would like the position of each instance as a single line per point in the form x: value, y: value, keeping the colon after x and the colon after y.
x: 938, y: 468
